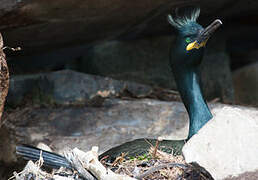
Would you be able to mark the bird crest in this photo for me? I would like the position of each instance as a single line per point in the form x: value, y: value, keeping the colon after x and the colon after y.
x: 181, y: 21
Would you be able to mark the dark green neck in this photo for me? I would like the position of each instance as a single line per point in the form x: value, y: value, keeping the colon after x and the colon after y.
x: 188, y: 83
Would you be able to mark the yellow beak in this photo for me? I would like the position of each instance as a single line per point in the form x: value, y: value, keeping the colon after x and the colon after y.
x: 204, y: 35
x: 195, y: 45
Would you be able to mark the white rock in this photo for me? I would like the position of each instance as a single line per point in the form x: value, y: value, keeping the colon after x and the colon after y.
x: 226, y: 145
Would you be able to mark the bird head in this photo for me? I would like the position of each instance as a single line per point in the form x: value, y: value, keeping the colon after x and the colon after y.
x: 191, y: 34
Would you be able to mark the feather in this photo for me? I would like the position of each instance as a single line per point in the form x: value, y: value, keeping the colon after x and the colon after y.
x: 178, y: 22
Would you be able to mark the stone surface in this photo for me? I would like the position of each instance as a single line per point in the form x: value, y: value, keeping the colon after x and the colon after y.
x: 246, y: 85
x: 144, y: 61
x: 44, y: 25
x: 70, y: 87
x: 245, y: 176
x: 54, y: 21
x: 226, y: 145
x: 113, y: 123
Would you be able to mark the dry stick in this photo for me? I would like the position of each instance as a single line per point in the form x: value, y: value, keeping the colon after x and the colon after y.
x: 156, y: 168
x: 92, y: 164
x: 155, y: 149
x: 146, y: 140
x: 89, y: 161
x: 77, y: 164
x: 156, y: 146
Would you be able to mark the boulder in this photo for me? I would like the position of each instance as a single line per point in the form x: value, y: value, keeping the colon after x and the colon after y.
x: 144, y: 61
x: 246, y: 85
x: 69, y: 87
x: 245, y: 176
x: 226, y: 146
x: 39, y: 25
x: 113, y: 123
x: 53, y: 22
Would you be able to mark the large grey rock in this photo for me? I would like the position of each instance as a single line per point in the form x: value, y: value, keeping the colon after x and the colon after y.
x: 115, y: 122
x: 226, y: 145
x: 144, y: 61
x: 245, y: 176
x: 246, y: 85
x: 20, y: 87
x: 43, y: 25
x: 69, y: 87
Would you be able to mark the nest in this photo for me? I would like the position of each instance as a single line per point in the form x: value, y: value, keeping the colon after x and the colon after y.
x: 155, y: 164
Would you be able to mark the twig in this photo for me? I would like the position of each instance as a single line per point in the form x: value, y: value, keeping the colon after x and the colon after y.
x: 77, y: 164
x: 156, y: 146
x: 91, y: 163
x: 148, y: 142
x: 157, y: 168
x: 119, y: 159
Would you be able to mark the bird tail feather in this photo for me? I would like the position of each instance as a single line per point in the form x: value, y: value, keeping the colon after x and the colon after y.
x: 50, y: 159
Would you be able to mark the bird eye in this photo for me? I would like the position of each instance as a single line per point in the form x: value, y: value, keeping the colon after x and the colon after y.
x: 188, y: 40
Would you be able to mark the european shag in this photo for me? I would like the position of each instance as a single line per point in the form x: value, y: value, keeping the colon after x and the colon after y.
x: 185, y: 59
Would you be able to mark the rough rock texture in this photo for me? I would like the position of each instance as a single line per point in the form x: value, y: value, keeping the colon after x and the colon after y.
x: 144, y: 61
x: 226, y: 145
x: 246, y: 85
x: 63, y: 87
x: 245, y: 176
x: 4, y: 78
x: 115, y: 122
x: 70, y: 87
x: 53, y: 22
x: 42, y: 25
